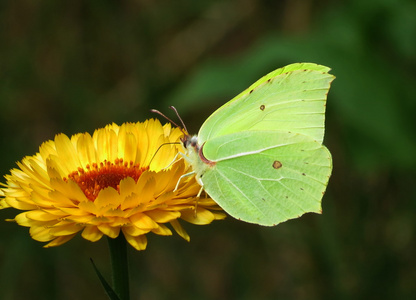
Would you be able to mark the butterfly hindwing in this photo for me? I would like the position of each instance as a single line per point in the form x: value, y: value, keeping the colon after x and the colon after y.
x: 279, y: 177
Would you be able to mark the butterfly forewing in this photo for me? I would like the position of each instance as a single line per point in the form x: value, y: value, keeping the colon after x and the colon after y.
x: 293, y: 101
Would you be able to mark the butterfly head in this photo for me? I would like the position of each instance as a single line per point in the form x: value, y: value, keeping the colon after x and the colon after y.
x: 190, y: 142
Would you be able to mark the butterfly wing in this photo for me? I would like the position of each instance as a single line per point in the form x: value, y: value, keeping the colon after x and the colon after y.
x: 267, y: 177
x: 290, y: 98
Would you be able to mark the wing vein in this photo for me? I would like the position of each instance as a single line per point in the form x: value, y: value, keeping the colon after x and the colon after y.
x: 241, y: 192
x: 279, y: 181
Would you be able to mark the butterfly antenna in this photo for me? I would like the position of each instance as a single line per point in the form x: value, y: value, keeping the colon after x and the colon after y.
x: 179, y: 117
x: 164, y: 144
x: 158, y: 112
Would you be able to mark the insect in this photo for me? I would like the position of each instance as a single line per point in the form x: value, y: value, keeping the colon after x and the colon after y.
x: 260, y: 156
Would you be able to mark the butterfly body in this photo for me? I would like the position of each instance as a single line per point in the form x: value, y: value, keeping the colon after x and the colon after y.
x: 195, y: 157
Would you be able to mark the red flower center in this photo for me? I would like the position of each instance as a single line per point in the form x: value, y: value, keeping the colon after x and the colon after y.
x: 98, y: 177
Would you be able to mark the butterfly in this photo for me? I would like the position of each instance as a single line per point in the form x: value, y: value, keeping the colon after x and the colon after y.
x: 260, y: 156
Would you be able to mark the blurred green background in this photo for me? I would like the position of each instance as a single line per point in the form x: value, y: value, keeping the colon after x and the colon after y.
x: 74, y: 66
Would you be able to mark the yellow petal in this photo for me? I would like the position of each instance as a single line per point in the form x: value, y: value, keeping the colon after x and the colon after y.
x: 127, y: 145
x: 23, y: 220
x: 161, y: 216
x: 66, y: 150
x: 13, y: 202
x: 39, y: 215
x: 88, y: 206
x: 108, y: 197
x: 70, y: 189
x: 202, y: 216
x: 46, y: 149
x: 112, y: 232
x: 106, y: 145
x: 86, y: 150
x: 162, y: 230
x: 91, y: 233
x: 59, y: 241
x: 138, y: 242
x: 127, y: 186
x: 67, y: 229
x: 142, y: 221
x: 40, y: 234
x: 84, y: 219
x: 134, y: 231
x: 179, y: 230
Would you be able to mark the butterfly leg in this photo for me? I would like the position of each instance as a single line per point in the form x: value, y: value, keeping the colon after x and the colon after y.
x: 200, y: 192
x: 197, y: 199
x: 184, y: 156
x: 180, y: 178
x: 174, y: 160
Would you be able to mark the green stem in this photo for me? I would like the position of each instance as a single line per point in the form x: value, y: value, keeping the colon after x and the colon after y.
x: 119, y: 265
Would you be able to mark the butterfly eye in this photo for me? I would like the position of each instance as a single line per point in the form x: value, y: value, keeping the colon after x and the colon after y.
x: 194, y: 141
x: 184, y: 142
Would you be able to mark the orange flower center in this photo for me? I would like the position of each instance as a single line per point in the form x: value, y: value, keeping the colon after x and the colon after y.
x: 98, y: 177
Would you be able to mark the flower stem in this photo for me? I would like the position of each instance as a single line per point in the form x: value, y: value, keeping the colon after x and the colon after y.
x: 119, y: 266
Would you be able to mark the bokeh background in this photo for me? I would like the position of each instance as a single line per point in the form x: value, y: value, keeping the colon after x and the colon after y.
x: 74, y: 66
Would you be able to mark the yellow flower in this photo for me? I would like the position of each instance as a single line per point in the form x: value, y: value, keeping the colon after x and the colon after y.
x: 101, y: 184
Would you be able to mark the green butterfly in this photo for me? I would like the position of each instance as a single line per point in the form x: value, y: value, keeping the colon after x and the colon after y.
x: 260, y: 156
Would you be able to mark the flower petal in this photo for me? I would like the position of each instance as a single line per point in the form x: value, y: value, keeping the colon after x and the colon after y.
x: 86, y: 150
x: 112, y: 232
x: 92, y: 233
x: 179, y: 230
x: 143, y: 221
x: 59, y: 241
x: 65, y: 149
x: 134, y: 231
x: 201, y: 216
x: 162, y: 230
x: 138, y: 242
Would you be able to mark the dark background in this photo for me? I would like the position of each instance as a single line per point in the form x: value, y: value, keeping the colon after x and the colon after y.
x: 74, y: 66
